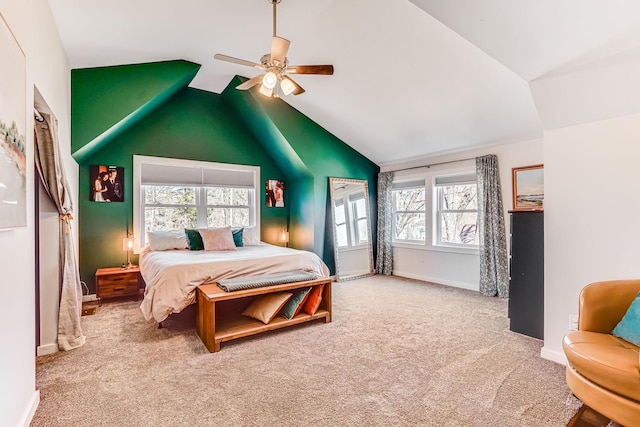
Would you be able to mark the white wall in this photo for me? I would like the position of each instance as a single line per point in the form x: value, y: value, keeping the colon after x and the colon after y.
x: 461, y: 269
x: 33, y: 26
x: 592, y: 210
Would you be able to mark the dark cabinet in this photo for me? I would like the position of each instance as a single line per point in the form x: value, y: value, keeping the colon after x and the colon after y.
x: 526, y: 286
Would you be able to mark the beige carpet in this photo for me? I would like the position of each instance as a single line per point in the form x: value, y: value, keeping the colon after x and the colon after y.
x: 398, y: 353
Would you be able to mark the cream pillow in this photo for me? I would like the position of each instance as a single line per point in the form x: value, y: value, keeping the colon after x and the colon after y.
x: 265, y: 307
x: 217, y: 239
x: 167, y: 239
x: 250, y: 237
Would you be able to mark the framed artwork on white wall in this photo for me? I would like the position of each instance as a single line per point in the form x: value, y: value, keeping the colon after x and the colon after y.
x: 13, y: 165
x: 528, y: 188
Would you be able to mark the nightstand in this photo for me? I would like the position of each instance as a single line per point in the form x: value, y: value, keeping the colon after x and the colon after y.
x: 117, y: 282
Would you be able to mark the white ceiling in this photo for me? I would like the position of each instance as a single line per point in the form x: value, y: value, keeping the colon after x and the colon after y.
x: 412, y: 78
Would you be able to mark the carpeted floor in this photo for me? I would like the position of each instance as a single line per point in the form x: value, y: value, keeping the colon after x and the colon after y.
x: 399, y: 352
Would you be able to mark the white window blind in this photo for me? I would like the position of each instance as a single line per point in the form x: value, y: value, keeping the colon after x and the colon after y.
x: 155, y: 174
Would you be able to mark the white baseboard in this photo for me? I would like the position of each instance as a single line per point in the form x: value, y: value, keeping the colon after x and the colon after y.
x: 46, y: 349
x: 30, y: 410
x: 440, y: 281
x: 553, y: 355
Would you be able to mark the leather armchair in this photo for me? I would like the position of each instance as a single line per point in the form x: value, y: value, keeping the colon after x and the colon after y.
x: 603, y: 371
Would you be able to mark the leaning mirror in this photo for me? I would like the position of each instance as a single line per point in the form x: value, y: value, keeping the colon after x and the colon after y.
x: 351, y: 228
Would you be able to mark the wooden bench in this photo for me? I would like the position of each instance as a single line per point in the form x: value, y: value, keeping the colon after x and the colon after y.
x: 219, y: 315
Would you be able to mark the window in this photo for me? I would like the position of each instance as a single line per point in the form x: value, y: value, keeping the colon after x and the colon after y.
x: 173, y: 193
x: 456, y: 213
x: 359, y: 212
x: 409, y: 203
x: 350, y: 217
x: 342, y: 234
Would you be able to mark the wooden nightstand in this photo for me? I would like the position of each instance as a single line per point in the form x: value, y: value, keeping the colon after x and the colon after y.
x: 117, y: 282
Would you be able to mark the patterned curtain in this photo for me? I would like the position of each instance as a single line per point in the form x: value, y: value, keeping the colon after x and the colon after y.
x: 494, y: 270
x: 50, y: 168
x: 384, y: 256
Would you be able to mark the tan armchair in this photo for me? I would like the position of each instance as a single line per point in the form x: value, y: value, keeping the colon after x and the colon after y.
x: 603, y: 371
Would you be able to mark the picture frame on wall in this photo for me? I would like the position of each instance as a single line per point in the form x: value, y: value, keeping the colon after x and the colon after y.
x: 13, y: 124
x: 275, y: 194
x: 106, y: 183
x: 528, y: 188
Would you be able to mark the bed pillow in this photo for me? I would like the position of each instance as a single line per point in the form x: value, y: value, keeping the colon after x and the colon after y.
x: 295, y: 303
x: 313, y: 302
x: 217, y: 239
x: 629, y: 327
x: 194, y: 239
x: 264, y: 308
x: 250, y: 237
x: 237, y: 237
x: 167, y: 240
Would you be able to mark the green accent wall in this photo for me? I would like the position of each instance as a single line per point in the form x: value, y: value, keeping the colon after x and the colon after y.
x: 106, y: 101
x: 194, y: 125
x: 308, y: 154
x: 240, y: 127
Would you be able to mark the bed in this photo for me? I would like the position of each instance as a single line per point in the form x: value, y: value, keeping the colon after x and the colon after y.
x: 172, y: 276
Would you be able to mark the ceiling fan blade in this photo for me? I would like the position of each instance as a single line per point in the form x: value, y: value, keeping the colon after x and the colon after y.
x: 279, y: 49
x: 296, y: 88
x: 237, y: 61
x: 250, y: 83
x: 311, y: 69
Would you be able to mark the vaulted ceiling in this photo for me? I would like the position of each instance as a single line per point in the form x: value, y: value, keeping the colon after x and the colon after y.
x: 412, y: 78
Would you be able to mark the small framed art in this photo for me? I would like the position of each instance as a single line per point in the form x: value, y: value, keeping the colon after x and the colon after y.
x: 528, y: 188
x: 106, y: 183
x: 275, y: 193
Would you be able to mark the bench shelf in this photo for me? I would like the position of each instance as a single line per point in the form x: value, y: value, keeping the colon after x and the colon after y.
x: 219, y: 315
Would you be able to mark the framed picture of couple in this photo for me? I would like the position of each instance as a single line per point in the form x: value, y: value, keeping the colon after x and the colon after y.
x: 106, y: 183
x: 275, y: 193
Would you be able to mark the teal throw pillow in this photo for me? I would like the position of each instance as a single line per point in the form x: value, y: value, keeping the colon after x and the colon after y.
x: 291, y: 307
x: 195, y: 240
x: 629, y: 327
x: 237, y: 237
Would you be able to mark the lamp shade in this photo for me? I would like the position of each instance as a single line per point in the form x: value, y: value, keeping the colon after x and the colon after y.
x: 127, y: 244
x: 286, y: 86
x: 284, y: 236
x: 265, y: 90
x: 269, y: 80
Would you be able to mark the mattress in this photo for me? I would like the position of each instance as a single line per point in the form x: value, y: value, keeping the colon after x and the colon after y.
x: 172, y: 277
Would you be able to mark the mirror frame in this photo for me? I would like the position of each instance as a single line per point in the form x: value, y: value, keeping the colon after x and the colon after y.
x: 332, y: 181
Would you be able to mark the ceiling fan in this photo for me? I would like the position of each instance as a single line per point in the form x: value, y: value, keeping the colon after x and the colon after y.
x: 276, y: 67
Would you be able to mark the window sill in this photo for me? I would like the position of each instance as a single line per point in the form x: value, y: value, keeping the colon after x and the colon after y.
x: 424, y: 247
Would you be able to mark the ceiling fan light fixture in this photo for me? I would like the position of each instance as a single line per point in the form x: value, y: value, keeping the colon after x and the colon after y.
x: 269, y: 80
x: 276, y: 66
x: 266, y: 91
x: 286, y: 86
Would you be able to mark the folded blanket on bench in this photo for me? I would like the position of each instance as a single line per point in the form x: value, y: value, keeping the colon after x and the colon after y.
x: 250, y: 282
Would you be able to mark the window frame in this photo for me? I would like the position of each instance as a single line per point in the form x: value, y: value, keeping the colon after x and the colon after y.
x: 429, y: 176
x: 438, y: 211
x: 357, y: 217
x: 201, y: 205
x: 404, y: 185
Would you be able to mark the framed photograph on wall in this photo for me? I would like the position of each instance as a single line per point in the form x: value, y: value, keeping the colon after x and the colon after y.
x: 13, y: 125
x: 275, y: 193
x: 106, y: 183
x: 528, y: 188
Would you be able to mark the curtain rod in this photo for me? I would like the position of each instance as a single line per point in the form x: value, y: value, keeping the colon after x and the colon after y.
x: 37, y: 115
x: 433, y: 164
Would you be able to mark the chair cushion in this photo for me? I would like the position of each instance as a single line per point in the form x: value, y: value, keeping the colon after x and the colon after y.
x: 606, y: 360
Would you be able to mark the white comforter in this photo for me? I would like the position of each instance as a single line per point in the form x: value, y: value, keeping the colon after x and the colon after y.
x: 172, y: 276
